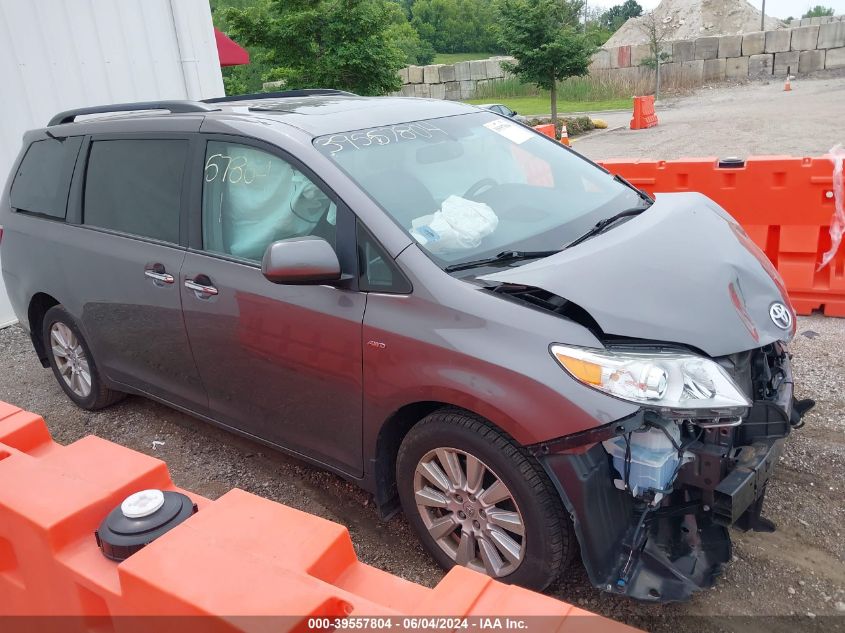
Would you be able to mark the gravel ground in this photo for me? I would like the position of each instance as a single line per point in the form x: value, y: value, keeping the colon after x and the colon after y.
x: 798, y: 571
x: 745, y: 120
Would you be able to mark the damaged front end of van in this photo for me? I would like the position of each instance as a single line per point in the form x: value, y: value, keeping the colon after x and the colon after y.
x: 703, y: 351
x: 652, y: 496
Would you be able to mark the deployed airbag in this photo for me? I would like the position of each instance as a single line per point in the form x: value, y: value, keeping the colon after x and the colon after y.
x: 460, y: 224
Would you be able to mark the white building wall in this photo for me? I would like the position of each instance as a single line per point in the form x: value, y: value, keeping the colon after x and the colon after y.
x: 61, y: 54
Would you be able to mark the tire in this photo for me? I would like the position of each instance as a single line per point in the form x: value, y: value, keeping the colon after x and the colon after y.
x: 452, y: 436
x: 76, y: 371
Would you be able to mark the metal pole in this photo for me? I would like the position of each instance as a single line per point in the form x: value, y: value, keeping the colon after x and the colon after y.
x: 763, y: 17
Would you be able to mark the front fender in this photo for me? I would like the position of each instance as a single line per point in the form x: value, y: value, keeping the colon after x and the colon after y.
x: 453, y: 342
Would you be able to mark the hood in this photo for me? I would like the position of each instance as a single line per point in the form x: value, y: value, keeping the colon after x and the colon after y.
x: 683, y: 271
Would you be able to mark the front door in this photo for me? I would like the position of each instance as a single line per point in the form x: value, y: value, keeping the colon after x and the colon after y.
x: 280, y: 362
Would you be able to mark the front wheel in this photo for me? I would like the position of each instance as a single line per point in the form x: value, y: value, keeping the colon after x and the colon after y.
x: 478, y: 500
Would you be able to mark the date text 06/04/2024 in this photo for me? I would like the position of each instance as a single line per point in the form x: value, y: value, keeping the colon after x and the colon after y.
x: 418, y: 623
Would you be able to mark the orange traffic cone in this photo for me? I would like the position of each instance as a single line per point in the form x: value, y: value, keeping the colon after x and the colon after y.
x: 787, y: 87
x: 564, y: 135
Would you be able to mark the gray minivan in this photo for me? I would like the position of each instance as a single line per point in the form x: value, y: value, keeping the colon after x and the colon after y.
x: 459, y: 314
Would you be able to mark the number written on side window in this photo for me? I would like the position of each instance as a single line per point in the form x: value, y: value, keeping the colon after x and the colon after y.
x: 236, y: 169
x: 252, y: 198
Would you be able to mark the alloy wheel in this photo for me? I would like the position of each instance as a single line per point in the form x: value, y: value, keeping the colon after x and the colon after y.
x: 469, y: 512
x: 71, y: 359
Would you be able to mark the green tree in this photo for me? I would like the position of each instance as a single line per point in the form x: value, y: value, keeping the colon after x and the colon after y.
x: 455, y: 26
x: 249, y: 77
x: 596, y: 32
x: 656, y: 34
x: 818, y: 11
x: 542, y: 35
x: 416, y: 49
x: 246, y: 79
x: 617, y: 15
x: 344, y: 44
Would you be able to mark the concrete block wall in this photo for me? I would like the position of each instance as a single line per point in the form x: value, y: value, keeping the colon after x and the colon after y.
x: 451, y: 81
x: 809, y: 45
x: 817, y: 21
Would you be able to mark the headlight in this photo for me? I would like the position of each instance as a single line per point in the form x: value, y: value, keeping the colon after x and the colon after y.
x: 676, y: 384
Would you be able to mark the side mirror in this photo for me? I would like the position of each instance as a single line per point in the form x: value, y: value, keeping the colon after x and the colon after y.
x: 514, y: 112
x: 300, y: 260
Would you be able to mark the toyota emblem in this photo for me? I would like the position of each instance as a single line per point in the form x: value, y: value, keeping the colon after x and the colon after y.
x: 781, y: 316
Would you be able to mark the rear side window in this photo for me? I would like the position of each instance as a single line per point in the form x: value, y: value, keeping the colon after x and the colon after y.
x: 43, y: 177
x: 135, y: 186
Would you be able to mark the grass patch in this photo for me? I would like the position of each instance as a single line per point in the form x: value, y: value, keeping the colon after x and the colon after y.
x: 541, y: 105
x: 454, y: 58
x: 576, y: 94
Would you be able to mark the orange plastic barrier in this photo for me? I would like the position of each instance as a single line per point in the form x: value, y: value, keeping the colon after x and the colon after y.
x: 238, y: 557
x: 785, y: 204
x: 644, y: 114
x: 549, y: 130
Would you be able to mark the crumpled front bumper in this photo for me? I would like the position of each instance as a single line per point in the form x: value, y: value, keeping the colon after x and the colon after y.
x: 667, y: 553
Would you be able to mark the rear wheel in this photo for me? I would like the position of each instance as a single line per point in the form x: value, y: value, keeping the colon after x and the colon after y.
x: 478, y: 500
x: 72, y: 363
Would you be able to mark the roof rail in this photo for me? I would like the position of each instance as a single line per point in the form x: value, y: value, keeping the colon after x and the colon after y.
x: 304, y: 92
x: 174, y: 107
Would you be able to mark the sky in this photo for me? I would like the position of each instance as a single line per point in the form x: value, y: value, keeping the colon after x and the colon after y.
x: 777, y: 8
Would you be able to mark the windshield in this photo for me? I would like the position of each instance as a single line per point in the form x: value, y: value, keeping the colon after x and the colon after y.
x: 471, y: 186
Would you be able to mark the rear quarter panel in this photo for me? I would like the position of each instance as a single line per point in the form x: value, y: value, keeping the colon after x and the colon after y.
x: 11, y: 263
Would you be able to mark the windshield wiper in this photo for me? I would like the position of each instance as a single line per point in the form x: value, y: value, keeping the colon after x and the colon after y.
x: 642, y: 194
x: 504, y: 256
x: 601, y: 225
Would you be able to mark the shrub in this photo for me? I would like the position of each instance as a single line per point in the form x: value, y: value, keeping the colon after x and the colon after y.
x: 574, y: 125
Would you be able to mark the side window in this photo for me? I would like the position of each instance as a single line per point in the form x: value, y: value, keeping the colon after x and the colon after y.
x: 135, y: 186
x: 377, y: 271
x: 252, y: 198
x: 43, y: 177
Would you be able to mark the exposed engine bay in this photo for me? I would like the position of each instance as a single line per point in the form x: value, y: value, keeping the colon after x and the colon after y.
x: 652, y: 498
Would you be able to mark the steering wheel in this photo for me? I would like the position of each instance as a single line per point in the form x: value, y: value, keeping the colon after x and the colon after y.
x: 474, y: 190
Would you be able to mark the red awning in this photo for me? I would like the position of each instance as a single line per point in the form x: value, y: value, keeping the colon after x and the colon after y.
x: 229, y: 52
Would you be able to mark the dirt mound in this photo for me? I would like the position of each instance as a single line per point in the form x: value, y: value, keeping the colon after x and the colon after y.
x: 689, y: 19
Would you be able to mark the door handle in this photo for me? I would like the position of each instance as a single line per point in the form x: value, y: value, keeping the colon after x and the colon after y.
x: 159, y: 276
x: 200, y: 289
